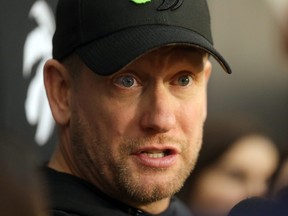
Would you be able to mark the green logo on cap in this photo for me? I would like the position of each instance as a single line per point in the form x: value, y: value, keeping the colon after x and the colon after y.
x: 140, y: 1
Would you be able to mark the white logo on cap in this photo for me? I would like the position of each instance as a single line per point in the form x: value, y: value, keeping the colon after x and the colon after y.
x: 37, y: 49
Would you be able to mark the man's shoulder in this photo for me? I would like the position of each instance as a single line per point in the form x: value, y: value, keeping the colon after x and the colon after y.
x: 72, y: 196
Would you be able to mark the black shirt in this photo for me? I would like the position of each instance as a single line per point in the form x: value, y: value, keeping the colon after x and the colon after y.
x: 72, y: 196
x: 263, y: 207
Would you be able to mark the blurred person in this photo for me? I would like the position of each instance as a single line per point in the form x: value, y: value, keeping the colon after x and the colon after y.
x: 127, y: 87
x: 21, y: 192
x: 279, y: 11
x: 278, y: 204
x: 237, y: 160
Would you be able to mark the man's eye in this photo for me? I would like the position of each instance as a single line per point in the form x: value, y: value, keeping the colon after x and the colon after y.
x: 126, y: 81
x: 184, y: 80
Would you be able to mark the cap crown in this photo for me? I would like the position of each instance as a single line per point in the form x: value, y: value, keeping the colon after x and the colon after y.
x: 79, y: 22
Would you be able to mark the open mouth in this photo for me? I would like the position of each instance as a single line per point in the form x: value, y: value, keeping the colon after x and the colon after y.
x: 157, y: 157
x: 156, y: 154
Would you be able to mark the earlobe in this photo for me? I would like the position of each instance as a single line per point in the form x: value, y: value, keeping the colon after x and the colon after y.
x: 57, y: 85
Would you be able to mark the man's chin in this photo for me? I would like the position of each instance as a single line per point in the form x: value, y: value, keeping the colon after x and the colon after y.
x: 151, y: 189
x: 151, y: 194
x: 144, y: 184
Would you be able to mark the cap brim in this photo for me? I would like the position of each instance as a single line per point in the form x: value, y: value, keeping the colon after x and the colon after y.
x: 111, y: 53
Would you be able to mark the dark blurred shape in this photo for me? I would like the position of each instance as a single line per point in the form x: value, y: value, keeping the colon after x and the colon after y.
x: 20, y: 183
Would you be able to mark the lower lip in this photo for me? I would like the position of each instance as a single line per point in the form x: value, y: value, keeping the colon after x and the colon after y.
x: 164, y: 162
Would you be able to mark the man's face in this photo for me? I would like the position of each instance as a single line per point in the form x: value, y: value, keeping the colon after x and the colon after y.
x: 136, y: 134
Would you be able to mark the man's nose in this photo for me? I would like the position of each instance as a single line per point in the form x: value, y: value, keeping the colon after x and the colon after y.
x: 158, y: 114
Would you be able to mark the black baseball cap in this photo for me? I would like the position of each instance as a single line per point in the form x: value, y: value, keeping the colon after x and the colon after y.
x: 109, y: 34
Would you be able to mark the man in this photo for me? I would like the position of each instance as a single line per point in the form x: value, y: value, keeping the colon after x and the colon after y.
x: 127, y: 89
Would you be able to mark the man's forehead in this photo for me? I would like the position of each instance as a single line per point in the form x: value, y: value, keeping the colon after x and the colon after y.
x: 172, y: 54
x: 185, y: 49
x: 175, y: 52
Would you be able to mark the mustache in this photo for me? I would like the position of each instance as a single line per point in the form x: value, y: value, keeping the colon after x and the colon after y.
x: 134, y: 143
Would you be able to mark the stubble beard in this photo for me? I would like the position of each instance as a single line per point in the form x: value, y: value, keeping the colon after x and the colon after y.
x: 125, y: 184
x: 131, y: 183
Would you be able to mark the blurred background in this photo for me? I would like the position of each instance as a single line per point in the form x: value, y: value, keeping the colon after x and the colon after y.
x: 245, y: 32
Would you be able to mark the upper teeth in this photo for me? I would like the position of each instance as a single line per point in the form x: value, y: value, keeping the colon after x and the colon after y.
x: 155, y: 155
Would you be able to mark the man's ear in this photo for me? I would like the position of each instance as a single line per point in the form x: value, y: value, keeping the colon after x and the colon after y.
x: 57, y: 83
x: 207, y: 70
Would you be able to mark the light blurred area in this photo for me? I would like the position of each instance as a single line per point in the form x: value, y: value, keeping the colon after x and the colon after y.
x: 279, y: 9
x: 247, y: 34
